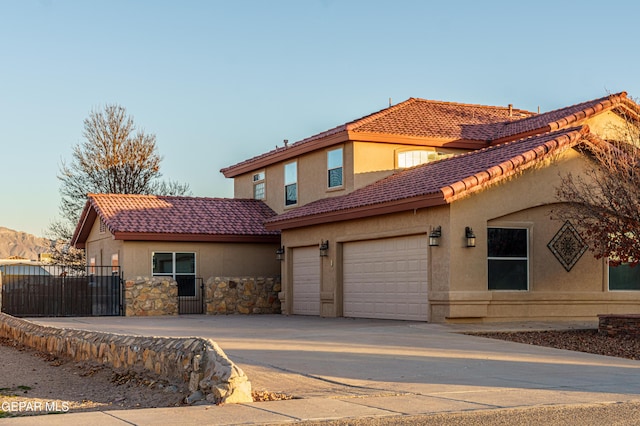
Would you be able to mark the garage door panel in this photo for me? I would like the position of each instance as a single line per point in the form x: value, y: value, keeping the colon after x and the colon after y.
x: 386, y: 278
x: 306, y: 281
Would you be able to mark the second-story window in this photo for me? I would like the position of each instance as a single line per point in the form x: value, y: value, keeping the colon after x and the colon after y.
x: 416, y: 157
x: 258, y: 186
x: 334, y: 168
x: 291, y: 184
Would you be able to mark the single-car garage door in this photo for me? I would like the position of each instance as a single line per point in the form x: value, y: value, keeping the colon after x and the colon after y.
x: 306, y: 281
x: 386, y: 278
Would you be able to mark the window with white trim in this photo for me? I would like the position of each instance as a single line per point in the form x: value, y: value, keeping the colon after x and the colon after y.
x: 624, y: 277
x: 508, y: 258
x: 259, y: 186
x: 291, y: 184
x: 334, y: 168
x: 416, y: 157
x: 178, y: 265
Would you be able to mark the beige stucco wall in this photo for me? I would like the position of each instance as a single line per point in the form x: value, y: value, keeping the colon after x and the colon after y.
x: 374, y: 161
x: 338, y: 233
x: 102, y: 245
x: 607, y: 125
x: 312, y: 179
x: 527, y: 201
x: 212, y: 259
x: 364, y: 163
x: 457, y: 281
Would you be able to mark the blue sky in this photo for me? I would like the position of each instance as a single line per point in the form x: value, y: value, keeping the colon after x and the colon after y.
x: 221, y: 81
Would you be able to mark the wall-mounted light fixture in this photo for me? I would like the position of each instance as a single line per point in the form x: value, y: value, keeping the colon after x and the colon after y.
x: 280, y: 253
x: 471, y: 237
x: 434, y: 236
x: 324, y: 248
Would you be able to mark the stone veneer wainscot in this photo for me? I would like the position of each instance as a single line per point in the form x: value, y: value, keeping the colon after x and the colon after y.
x: 151, y: 296
x: 242, y: 295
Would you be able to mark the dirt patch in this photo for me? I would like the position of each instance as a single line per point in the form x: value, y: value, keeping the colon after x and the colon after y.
x: 33, y: 382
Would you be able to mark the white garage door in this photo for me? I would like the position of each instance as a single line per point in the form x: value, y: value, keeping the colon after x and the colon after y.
x: 386, y: 278
x: 306, y: 281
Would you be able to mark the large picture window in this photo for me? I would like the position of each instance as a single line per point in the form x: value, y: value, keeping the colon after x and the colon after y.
x: 179, y: 266
x: 334, y: 168
x: 624, y: 277
x: 291, y: 184
x: 508, y: 252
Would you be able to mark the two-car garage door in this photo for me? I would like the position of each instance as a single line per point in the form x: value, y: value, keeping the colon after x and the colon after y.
x: 386, y: 278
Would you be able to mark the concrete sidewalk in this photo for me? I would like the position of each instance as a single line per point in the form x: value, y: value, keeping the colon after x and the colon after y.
x: 344, y: 368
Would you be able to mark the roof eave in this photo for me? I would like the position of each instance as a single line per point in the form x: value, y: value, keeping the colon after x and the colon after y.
x: 83, y: 228
x: 504, y: 170
x: 284, y: 154
x: 611, y: 103
x: 417, y: 140
x: 210, y: 238
x: 413, y: 203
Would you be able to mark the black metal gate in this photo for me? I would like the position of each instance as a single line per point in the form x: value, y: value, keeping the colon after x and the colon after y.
x: 61, y: 291
x: 190, y: 295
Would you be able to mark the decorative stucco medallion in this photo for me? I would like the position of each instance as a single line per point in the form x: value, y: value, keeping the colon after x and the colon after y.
x: 567, y: 246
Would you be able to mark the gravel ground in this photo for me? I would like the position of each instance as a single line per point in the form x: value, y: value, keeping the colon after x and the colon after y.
x: 575, y: 340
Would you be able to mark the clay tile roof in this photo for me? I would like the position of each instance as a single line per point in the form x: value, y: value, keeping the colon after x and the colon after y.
x: 436, y: 119
x: 560, y: 118
x: 141, y: 217
x: 433, y: 183
x: 418, y: 118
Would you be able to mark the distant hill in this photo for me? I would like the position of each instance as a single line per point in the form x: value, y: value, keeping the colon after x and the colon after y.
x: 16, y: 243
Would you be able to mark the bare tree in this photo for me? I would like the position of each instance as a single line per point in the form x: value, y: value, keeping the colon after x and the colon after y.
x: 603, y: 203
x: 116, y: 158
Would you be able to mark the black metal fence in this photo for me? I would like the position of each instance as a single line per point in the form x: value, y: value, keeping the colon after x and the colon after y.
x: 57, y: 291
x: 190, y: 295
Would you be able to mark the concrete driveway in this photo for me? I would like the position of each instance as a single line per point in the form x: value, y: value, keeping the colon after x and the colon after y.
x: 405, y: 364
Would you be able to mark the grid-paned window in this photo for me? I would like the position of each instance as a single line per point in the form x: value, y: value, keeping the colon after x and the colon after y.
x: 259, y: 186
x: 334, y: 168
x: 416, y: 157
x: 508, y: 253
x: 291, y: 184
x: 179, y: 266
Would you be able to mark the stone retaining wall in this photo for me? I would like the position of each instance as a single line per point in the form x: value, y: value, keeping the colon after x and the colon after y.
x: 151, y: 296
x: 199, y: 362
x: 615, y: 324
x: 242, y: 295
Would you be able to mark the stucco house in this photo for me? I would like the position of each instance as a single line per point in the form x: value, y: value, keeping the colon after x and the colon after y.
x: 189, y: 239
x: 438, y: 211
